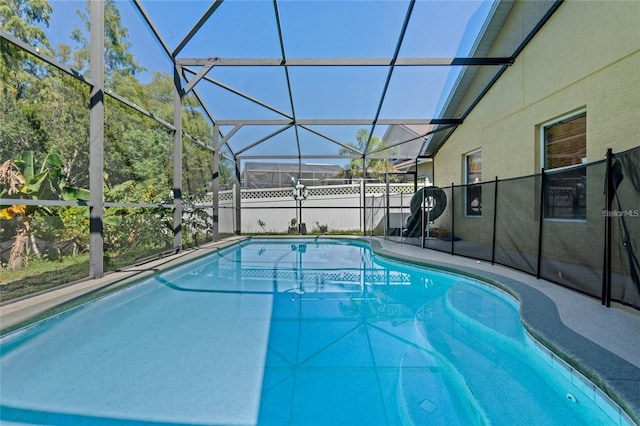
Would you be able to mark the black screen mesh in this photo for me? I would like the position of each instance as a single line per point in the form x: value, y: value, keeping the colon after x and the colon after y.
x: 564, y: 241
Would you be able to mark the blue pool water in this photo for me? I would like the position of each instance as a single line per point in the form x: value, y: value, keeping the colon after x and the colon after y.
x: 289, y: 332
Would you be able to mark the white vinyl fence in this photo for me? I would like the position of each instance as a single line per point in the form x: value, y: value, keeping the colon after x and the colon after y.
x: 336, y: 207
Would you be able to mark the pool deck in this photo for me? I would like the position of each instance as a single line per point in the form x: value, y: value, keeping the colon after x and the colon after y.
x: 603, y: 343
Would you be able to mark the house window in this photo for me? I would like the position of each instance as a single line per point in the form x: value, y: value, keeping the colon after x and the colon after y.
x: 473, y: 177
x: 564, y: 147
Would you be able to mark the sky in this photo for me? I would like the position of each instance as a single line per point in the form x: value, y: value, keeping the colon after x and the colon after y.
x: 311, y: 29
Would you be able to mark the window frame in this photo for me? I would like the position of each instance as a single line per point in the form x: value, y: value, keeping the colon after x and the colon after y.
x: 472, y: 186
x: 543, y: 145
x: 543, y: 162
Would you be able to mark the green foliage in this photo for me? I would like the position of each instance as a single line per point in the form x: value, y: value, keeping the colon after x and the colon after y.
x: 320, y: 229
x: 24, y: 19
x: 63, y: 224
x: 40, y: 180
x: 75, y: 226
x: 64, y: 119
x: 20, y: 130
x: 44, y: 129
x: 376, y: 167
x: 132, y: 228
x: 197, y: 170
x: 141, y: 153
x: 197, y: 225
x: 119, y: 62
x: 32, y: 179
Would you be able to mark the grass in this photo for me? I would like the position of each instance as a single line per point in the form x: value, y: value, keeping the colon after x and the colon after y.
x: 42, y: 274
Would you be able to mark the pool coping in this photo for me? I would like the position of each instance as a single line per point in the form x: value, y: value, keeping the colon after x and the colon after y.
x: 26, y: 310
x: 618, y: 378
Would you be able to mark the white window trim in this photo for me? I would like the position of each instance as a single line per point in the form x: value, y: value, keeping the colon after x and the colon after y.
x: 466, y: 164
x: 543, y: 159
x: 466, y: 181
x: 543, y: 148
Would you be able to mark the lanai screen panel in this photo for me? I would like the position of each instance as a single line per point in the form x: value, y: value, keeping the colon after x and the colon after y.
x: 365, y: 63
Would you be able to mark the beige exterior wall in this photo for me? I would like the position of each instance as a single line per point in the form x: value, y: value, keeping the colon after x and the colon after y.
x: 426, y: 169
x: 587, y: 56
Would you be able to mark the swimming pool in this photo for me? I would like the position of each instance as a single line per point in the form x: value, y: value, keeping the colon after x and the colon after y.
x: 290, y: 332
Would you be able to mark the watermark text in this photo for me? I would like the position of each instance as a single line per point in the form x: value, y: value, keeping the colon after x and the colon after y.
x: 621, y: 213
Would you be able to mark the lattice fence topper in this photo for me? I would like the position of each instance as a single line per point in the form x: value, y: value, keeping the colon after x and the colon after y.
x: 313, y: 191
x: 225, y: 195
x: 397, y: 188
x: 266, y: 193
x: 329, y: 190
x: 322, y: 276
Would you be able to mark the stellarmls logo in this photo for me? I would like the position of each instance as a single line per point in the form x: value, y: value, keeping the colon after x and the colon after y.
x: 621, y: 213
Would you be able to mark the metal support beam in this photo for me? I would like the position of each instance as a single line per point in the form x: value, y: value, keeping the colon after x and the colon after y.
x: 199, y: 76
x: 229, y: 135
x: 286, y: 73
x: 363, y: 195
x: 248, y: 147
x: 243, y: 95
x: 204, y: 105
x: 345, y: 146
x: 177, y: 160
x: 518, y: 50
x: 237, y: 200
x: 339, y: 122
x: 225, y: 139
x: 503, y: 68
x: 157, y: 119
x: 403, y: 31
x: 205, y: 108
x: 96, y: 141
x: 152, y: 26
x: 424, y: 135
x: 344, y: 62
x: 36, y: 52
x: 196, y: 27
x: 139, y: 109
x: 215, y: 184
x: 295, y: 157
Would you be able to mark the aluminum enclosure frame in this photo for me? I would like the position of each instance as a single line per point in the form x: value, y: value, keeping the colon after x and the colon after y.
x: 182, y: 71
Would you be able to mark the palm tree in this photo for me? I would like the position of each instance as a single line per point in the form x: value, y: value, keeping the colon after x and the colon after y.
x: 375, y: 166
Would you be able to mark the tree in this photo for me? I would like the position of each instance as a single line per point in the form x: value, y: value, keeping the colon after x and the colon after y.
x: 40, y: 106
x: 375, y: 166
x: 119, y: 62
x: 19, y: 72
x: 44, y: 114
x: 130, y: 229
x: 23, y: 20
x: 31, y: 179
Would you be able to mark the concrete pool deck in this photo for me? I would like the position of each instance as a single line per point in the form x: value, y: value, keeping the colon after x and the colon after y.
x: 604, y: 343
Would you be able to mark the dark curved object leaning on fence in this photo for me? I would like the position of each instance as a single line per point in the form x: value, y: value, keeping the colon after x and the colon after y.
x: 415, y: 225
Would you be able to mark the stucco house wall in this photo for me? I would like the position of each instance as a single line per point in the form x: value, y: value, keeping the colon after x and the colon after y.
x: 586, y: 57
